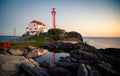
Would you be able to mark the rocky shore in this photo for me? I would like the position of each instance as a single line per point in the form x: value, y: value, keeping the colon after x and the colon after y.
x: 84, y: 60
x: 104, y: 61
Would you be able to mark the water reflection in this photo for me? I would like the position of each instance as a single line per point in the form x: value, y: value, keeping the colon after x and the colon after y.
x: 48, y: 57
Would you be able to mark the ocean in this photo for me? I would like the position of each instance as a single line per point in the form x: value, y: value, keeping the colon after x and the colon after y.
x: 7, y: 38
x: 97, y: 42
x: 103, y: 42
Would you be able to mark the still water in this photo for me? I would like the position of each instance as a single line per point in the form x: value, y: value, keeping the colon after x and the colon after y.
x: 48, y: 57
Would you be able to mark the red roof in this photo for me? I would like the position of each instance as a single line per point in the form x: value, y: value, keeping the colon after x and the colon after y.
x: 37, y: 22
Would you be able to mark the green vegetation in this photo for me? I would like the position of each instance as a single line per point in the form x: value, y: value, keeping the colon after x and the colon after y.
x: 51, y: 36
x: 20, y: 45
x: 45, y: 38
x: 39, y: 41
x: 23, y: 45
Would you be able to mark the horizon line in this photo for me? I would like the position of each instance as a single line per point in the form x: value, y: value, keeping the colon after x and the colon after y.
x: 82, y: 36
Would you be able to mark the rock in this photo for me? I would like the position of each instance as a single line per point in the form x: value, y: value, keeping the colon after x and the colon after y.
x: 3, y: 50
x: 111, y: 56
x: 31, y: 71
x: 45, y: 64
x: 65, y: 59
x: 82, y: 71
x: 92, y: 71
x: 67, y: 46
x: 110, y: 51
x: 70, y: 66
x: 36, y: 53
x: 59, y: 45
x: 16, y: 51
x: 31, y: 47
x: 56, y: 31
x: 50, y: 46
x: 83, y: 55
x: 9, y: 64
x: 107, y: 67
x: 43, y: 71
x: 73, y: 60
x: 58, y: 71
x: 74, y: 36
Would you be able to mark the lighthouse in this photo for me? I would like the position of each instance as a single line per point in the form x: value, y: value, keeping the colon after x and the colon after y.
x: 54, y: 26
x: 54, y: 17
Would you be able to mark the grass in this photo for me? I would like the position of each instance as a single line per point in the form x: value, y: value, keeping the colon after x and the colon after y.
x: 39, y: 41
x: 41, y: 38
x: 45, y: 38
x: 21, y: 45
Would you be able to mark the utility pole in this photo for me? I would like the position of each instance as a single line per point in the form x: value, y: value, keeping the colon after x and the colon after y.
x: 14, y: 35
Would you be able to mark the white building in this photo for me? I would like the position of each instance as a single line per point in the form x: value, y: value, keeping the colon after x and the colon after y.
x: 36, y: 27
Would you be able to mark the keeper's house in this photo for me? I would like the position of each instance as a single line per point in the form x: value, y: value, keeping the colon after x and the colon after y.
x: 36, y: 28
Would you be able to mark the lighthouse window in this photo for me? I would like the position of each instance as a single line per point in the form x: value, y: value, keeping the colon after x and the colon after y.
x: 30, y: 28
x: 34, y: 24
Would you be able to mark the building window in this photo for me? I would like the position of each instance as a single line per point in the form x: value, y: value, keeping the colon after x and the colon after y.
x: 35, y: 28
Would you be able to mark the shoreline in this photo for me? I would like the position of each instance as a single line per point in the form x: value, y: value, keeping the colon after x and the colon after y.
x: 89, y: 40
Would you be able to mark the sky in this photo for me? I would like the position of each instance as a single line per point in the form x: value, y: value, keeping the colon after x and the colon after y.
x: 98, y: 18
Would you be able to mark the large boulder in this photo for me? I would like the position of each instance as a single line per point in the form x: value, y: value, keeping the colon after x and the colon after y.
x: 74, y: 36
x: 9, y: 64
x: 67, y: 36
x: 56, y: 31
